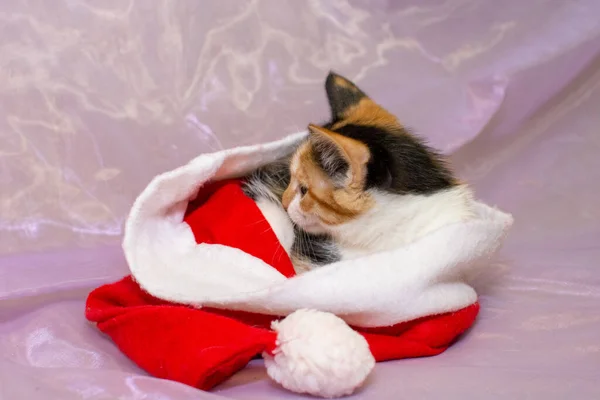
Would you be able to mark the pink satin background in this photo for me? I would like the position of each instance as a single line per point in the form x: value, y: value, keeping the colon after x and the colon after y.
x: 99, y: 96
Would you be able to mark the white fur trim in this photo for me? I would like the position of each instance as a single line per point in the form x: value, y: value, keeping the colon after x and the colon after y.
x: 419, y: 279
x: 318, y: 354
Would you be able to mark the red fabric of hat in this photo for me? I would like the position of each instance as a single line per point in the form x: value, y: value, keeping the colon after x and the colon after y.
x: 204, y: 347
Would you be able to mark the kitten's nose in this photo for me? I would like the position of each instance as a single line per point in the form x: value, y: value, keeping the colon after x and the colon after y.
x: 286, y: 200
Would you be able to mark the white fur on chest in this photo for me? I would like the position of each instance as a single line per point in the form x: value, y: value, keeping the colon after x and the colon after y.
x: 396, y: 221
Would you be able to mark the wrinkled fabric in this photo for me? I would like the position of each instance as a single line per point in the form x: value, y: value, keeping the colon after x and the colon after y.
x: 98, y: 97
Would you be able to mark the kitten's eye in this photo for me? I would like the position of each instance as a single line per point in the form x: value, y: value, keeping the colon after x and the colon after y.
x: 302, y: 189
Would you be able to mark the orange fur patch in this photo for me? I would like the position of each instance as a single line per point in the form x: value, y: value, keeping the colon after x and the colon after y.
x: 344, y: 83
x: 367, y: 113
x: 333, y: 205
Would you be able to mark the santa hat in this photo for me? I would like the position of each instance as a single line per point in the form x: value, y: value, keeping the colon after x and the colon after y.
x: 211, y: 287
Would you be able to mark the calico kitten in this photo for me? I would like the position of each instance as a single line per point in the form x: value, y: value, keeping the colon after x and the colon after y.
x: 359, y: 184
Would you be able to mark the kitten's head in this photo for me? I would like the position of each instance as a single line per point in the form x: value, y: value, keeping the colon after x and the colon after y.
x: 364, y: 150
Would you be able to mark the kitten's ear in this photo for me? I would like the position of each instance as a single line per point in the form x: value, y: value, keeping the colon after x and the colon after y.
x: 338, y: 155
x: 342, y: 94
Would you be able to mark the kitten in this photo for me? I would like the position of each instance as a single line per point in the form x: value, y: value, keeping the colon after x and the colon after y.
x: 359, y: 184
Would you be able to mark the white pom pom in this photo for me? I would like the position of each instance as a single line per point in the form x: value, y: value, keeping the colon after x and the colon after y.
x: 318, y: 354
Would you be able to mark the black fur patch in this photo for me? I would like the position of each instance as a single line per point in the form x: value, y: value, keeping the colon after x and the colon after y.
x: 273, y: 177
x: 400, y: 163
x: 341, y: 97
x: 317, y: 249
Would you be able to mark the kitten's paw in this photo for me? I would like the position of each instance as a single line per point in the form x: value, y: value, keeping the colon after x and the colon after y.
x: 280, y: 222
